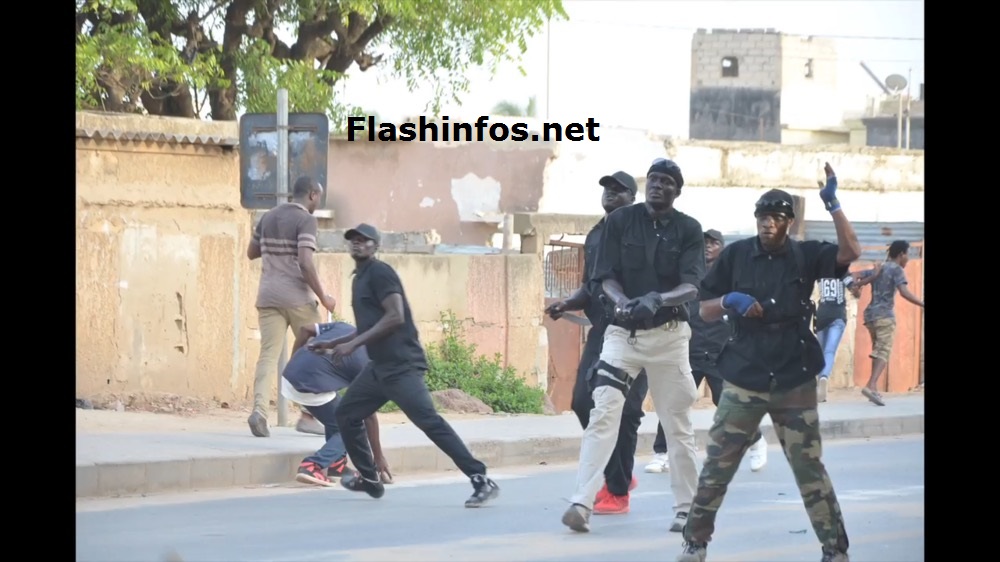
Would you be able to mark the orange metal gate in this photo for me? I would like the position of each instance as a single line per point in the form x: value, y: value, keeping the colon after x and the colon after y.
x: 904, y: 370
x: 563, y: 268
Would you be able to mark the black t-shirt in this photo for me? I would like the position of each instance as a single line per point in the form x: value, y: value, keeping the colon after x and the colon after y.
x: 832, y: 303
x: 316, y: 373
x: 400, y: 351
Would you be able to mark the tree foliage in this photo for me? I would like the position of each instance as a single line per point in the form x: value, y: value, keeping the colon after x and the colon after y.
x: 176, y: 57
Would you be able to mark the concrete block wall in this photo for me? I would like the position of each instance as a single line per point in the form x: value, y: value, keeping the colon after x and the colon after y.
x: 757, y: 51
x: 810, y: 102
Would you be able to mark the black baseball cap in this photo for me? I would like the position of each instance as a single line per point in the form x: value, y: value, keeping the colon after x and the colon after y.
x: 621, y: 179
x: 715, y: 235
x: 366, y: 230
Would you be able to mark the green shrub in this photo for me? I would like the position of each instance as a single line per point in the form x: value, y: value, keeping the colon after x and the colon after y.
x: 453, y: 363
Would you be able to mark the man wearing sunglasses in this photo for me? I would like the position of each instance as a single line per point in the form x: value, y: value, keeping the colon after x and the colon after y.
x: 651, y: 258
x: 764, y: 285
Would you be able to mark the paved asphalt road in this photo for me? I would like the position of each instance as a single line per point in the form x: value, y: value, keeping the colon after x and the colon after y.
x: 879, y: 483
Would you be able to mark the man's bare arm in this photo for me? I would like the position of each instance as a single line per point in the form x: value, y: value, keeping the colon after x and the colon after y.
x: 905, y: 292
x: 308, y: 268
x: 848, y: 246
x: 679, y: 295
x: 613, y: 289
x: 253, y: 250
x: 371, y: 427
x: 711, y: 310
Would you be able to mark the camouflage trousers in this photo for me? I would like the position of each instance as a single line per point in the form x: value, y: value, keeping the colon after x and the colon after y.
x: 735, y: 428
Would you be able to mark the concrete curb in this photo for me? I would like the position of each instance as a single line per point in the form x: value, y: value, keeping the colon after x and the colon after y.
x: 122, y: 479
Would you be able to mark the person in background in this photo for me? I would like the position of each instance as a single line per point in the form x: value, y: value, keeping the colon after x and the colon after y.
x: 829, y: 324
x: 289, y: 293
x: 880, y: 316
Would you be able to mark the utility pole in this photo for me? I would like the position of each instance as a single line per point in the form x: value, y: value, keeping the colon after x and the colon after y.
x: 909, y: 79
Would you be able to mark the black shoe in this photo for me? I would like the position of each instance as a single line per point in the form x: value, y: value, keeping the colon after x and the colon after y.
x: 484, y: 491
x: 355, y: 483
x: 258, y: 424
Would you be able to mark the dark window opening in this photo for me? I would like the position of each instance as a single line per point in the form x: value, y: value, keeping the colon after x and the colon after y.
x: 809, y: 68
x: 730, y: 67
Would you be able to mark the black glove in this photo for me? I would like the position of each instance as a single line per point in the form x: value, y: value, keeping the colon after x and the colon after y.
x: 644, y: 308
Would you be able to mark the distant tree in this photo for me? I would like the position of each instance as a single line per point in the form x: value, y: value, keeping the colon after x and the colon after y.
x: 179, y: 57
x: 513, y: 109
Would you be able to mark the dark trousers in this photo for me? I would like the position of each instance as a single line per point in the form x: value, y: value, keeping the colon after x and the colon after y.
x: 333, y: 449
x: 370, y: 391
x: 618, y: 472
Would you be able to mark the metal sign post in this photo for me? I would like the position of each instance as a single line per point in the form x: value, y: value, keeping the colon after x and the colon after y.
x: 282, y: 188
x: 275, y: 148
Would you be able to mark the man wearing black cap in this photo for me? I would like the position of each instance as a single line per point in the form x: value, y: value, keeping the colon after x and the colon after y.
x: 651, y: 259
x: 613, y: 498
x: 764, y: 284
x: 395, y: 372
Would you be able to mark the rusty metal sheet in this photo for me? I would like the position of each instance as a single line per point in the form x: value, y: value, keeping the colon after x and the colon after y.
x: 309, y: 148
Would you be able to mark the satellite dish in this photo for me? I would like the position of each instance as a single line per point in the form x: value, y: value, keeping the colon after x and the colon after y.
x: 895, y: 82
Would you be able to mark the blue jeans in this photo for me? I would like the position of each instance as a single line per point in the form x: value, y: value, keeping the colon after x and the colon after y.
x: 333, y: 449
x: 829, y: 338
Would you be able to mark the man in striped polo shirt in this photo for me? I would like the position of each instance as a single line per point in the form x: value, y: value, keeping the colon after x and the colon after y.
x: 285, y: 240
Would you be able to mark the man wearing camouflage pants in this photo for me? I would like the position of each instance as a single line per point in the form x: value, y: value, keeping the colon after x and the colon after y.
x: 770, y: 364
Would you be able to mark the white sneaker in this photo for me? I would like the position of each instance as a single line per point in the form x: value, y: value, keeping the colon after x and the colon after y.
x: 758, y: 455
x: 659, y: 464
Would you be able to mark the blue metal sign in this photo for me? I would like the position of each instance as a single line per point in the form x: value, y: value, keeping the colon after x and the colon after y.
x: 308, y: 147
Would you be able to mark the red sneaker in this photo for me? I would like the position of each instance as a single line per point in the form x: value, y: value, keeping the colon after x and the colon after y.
x: 601, y: 494
x: 633, y: 484
x: 612, y: 505
x: 311, y: 473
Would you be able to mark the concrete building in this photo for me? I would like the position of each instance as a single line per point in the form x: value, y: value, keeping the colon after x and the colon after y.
x: 763, y: 85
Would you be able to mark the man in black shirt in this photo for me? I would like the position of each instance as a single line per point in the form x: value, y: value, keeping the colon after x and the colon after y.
x: 764, y: 284
x: 396, y: 372
x: 613, y: 498
x: 652, y: 256
x: 707, y: 341
x: 312, y: 380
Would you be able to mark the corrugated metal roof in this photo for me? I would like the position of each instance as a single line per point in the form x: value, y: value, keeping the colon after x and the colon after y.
x: 871, y: 234
x: 875, y: 237
x: 144, y: 136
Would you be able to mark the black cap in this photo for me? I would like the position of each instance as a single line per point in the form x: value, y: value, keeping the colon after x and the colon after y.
x: 776, y: 201
x: 621, y: 179
x: 715, y: 235
x: 668, y: 167
x: 366, y: 230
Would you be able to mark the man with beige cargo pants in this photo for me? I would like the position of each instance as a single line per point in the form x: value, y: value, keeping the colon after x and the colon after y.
x: 285, y: 240
x: 650, y: 261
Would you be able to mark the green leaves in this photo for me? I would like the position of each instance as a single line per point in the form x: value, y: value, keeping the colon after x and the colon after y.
x: 129, y: 50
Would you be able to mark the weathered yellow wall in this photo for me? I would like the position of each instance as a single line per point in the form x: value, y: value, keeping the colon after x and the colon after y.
x: 165, y: 293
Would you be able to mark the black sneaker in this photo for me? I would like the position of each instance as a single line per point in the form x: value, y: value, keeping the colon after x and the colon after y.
x: 258, y: 424
x: 693, y: 552
x: 484, y: 490
x: 355, y: 483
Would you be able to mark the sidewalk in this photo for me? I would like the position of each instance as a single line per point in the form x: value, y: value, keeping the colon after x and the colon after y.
x: 127, y: 462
